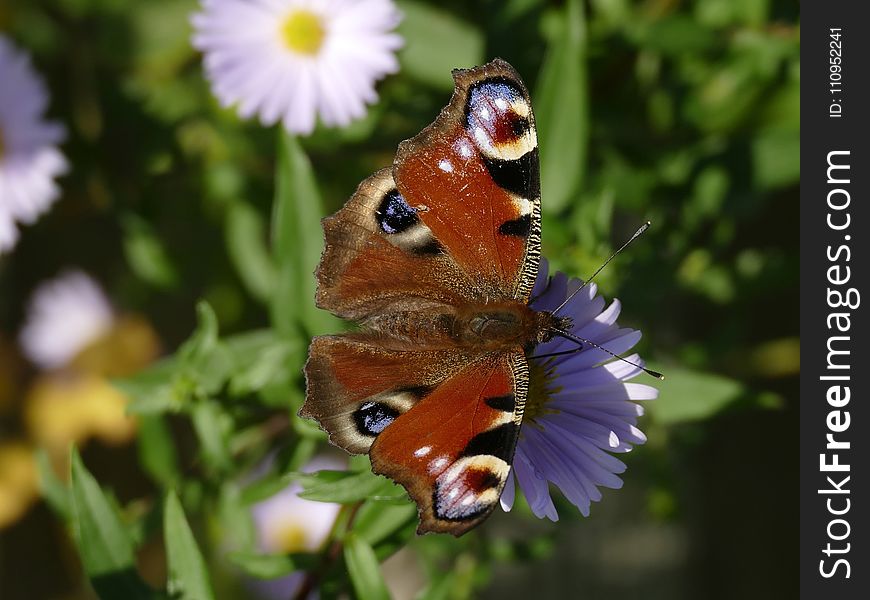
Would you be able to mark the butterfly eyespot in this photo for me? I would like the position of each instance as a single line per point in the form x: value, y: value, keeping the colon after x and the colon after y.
x: 469, y: 488
x: 371, y: 418
x: 490, y: 101
x: 519, y: 125
x: 498, y: 119
x: 394, y: 215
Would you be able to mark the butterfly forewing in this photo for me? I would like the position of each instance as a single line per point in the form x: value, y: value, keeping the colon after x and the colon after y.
x: 380, y: 258
x: 473, y: 175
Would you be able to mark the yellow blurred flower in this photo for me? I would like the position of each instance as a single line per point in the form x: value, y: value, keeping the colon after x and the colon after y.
x: 70, y: 407
x: 128, y: 346
x: 73, y: 333
x: 19, y: 487
x: 78, y: 341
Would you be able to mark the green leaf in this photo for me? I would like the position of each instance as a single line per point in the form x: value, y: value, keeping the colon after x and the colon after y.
x: 251, y: 349
x: 426, y: 57
x: 202, y: 366
x: 289, y: 459
x: 188, y: 576
x: 440, y: 588
x: 157, y: 451
x: 687, y: 395
x: 297, y: 241
x: 307, y: 428
x: 561, y: 111
x: 362, y: 565
x: 776, y: 160
x: 271, y: 566
x: 152, y: 390
x: 266, y: 487
x: 296, y: 455
x: 245, y: 235
x: 204, y: 339
x: 211, y: 430
x: 344, y: 487
x: 235, y: 518
x: 675, y: 35
x: 105, y: 548
x: 275, y: 361
x: 52, y: 488
x: 377, y: 521
x: 146, y: 255
x: 203, y: 356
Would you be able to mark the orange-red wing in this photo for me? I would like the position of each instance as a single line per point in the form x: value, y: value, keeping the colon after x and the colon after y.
x: 452, y: 450
x: 356, y: 386
x: 473, y: 178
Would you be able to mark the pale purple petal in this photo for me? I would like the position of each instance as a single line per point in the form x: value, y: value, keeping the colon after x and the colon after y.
x: 507, y: 494
x: 250, y: 65
x: 64, y: 316
x: 590, y: 412
x: 534, y: 487
x: 30, y: 160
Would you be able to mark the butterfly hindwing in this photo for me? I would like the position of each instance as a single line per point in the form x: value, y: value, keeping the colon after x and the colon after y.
x: 357, y: 386
x: 453, y: 449
x: 442, y: 424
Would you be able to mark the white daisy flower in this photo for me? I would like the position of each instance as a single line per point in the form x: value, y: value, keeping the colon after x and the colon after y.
x: 29, y: 158
x: 290, y: 60
x: 65, y: 315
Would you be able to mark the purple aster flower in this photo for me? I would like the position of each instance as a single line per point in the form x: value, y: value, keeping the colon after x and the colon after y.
x: 579, y: 409
x: 290, y: 60
x: 29, y: 157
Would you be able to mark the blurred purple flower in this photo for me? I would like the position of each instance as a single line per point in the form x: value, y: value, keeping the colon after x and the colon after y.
x: 285, y: 523
x: 64, y: 316
x: 579, y: 408
x: 289, y: 60
x: 29, y: 158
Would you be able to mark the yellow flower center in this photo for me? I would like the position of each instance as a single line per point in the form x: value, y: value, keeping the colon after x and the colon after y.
x: 540, y: 391
x: 291, y: 537
x: 303, y: 32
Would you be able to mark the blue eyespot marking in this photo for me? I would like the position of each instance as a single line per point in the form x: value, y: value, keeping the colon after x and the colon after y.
x: 490, y: 106
x: 394, y: 215
x: 372, y: 418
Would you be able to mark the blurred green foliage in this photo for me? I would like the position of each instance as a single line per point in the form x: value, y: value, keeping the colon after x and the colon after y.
x: 683, y: 113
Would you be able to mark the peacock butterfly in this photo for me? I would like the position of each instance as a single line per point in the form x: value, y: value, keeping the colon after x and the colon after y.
x: 435, y: 259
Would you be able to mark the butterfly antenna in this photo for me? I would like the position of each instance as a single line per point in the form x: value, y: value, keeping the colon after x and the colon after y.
x: 580, y: 340
x: 637, y: 233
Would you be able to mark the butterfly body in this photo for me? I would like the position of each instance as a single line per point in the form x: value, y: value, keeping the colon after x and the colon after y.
x: 500, y: 326
x: 435, y: 259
